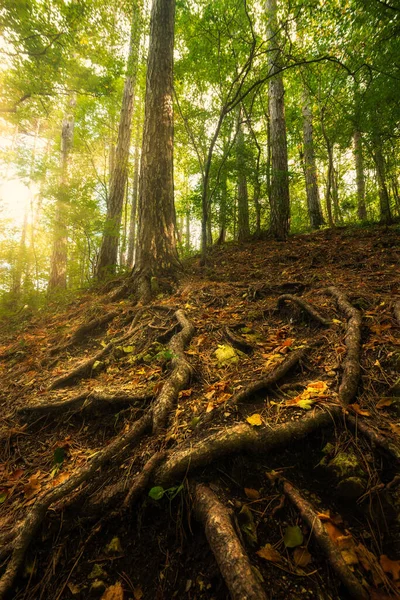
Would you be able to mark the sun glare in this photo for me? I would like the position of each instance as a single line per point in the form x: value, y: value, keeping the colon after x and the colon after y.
x: 14, y: 201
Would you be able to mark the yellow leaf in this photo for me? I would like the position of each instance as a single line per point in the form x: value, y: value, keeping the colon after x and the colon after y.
x: 336, y: 321
x: 359, y: 411
x: 255, y: 420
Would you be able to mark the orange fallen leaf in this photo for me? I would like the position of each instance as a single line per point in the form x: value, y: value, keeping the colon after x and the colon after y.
x: 359, y: 411
x: 252, y: 494
x: 269, y: 553
x: 384, y: 402
x: 301, y: 557
x: 114, y: 592
x: 33, y: 486
x: 390, y: 566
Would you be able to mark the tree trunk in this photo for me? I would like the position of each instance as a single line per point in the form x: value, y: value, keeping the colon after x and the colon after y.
x: 109, y: 247
x: 156, y: 244
x: 187, y: 235
x: 223, y: 208
x: 329, y: 177
x: 135, y: 190
x: 384, y: 201
x: 243, y: 196
x: 310, y: 168
x: 280, y: 203
x: 335, y: 194
x: 58, y: 267
x: 359, y: 161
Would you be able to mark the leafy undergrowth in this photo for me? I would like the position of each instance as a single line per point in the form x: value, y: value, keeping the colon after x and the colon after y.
x: 157, y: 548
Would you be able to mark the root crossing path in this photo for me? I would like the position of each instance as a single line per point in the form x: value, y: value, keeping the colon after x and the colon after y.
x: 215, y: 443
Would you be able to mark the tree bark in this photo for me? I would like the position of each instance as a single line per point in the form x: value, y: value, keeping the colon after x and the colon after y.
x: 58, y: 267
x: 109, y: 247
x: 135, y: 191
x: 384, y: 200
x: 243, y: 196
x: 359, y: 162
x: 156, y: 243
x: 280, y: 202
x: 310, y: 168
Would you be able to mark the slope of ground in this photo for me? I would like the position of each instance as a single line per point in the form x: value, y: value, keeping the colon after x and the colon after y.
x: 239, y: 438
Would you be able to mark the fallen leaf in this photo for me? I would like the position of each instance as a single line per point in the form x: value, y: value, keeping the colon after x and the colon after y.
x: 138, y: 593
x: 395, y: 427
x: 269, y: 553
x: 384, y: 402
x: 333, y: 531
x: 293, y: 536
x: 255, y: 420
x: 3, y: 496
x: 301, y: 557
x: 114, y: 592
x: 349, y: 557
x: 252, y: 494
x: 390, y: 566
x: 33, y: 486
x: 359, y: 411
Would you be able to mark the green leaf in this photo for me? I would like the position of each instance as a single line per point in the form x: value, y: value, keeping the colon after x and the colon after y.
x: 3, y: 496
x: 157, y: 492
x: 59, y: 456
x: 293, y: 537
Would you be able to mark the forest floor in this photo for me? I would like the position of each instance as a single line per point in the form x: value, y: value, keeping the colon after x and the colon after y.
x: 237, y: 438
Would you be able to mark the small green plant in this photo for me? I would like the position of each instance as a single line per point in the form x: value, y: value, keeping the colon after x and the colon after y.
x: 158, y: 492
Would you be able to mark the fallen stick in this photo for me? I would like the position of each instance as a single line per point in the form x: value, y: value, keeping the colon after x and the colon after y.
x: 351, y: 364
x: 328, y: 547
x: 310, y: 310
x: 231, y: 557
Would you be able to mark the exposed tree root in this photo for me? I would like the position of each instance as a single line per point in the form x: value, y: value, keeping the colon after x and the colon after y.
x: 238, y: 341
x: 376, y: 438
x: 87, y: 402
x: 328, y: 547
x: 179, y: 377
x: 86, y: 366
x: 351, y: 364
x: 237, y: 438
x: 83, y: 330
x: 232, y: 559
x: 37, y: 513
x: 310, y: 310
x: 396, y: 310
x: 262, y: 384
x: 141, y: 481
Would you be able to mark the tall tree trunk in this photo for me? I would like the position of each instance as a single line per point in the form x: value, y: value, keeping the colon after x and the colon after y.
x: 223, y: 207
x: 243, y: 196
x: 187, y: 235
x: 310, y: 168
x: 156, y: 243
x: 109, y: 246
x: 384, y: 200
x: 58, y: 267
x: 135, y: 192
x: 335, y: 195
x: 280, y: 203
x: 330, y: 174
x: 359, y: 162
